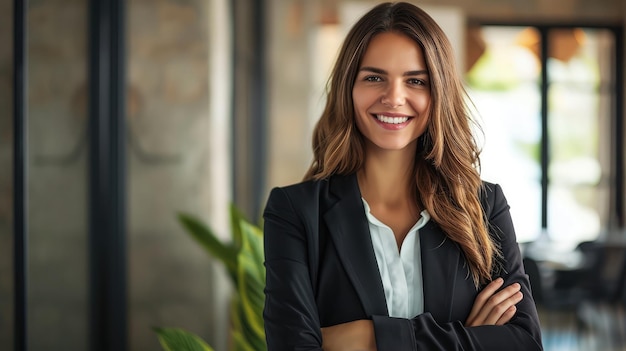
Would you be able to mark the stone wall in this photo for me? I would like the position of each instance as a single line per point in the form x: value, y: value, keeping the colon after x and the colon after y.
x: 172, y: 168
x: 175, y: 161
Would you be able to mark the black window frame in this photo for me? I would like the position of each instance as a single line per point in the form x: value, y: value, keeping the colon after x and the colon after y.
x: 107, y: 222
x: 617, y: 180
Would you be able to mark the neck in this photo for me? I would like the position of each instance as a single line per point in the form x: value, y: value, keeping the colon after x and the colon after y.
x: 387, y: 176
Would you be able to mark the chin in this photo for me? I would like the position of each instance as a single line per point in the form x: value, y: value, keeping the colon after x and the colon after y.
x: 393, y: 146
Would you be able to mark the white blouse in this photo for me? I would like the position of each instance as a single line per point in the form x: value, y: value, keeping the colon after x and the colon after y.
x: 401, y: 272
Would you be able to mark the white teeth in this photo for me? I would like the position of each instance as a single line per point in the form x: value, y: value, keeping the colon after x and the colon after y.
x: 391, y: 120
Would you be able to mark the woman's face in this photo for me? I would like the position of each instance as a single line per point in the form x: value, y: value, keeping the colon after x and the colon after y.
x: 391, y: 93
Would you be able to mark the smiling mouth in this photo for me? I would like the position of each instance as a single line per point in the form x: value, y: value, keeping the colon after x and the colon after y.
x: 392, y: 120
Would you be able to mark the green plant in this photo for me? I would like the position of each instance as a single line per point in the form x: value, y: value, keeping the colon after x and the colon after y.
x: 243, y: 260
x: 174, y: 339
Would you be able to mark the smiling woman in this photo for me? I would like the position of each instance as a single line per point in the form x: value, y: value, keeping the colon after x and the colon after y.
x: 392, y: 241
x: 391, y: 93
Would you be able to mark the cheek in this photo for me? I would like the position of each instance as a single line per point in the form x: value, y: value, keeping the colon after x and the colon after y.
x: 363, y: 98
x: 423, y: 108
x: 356, y: 108
x: 357, y: 100
x: 360, y: 106
x: 422, y: 103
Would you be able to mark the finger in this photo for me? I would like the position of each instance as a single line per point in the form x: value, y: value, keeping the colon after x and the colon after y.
x: 507, y: 316
x: 482, y: 298
x: 490, y: 290
x: 502, y: 296
x: 489, y: 298
x: 497, y: 304
x: 502, y: 308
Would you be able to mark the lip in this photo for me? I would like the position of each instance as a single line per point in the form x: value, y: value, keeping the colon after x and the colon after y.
x: 391, y: 114
x: 389, y: 126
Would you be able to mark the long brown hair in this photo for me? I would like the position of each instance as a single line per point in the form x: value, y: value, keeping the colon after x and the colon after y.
x: 447, y: 181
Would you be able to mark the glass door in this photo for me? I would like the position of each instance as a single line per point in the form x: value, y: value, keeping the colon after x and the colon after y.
x: 102, y: 270
x: 57, y: 160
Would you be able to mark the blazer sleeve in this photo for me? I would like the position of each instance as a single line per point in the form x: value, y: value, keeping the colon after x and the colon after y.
x: 521, y: 333
x: 290, y: 313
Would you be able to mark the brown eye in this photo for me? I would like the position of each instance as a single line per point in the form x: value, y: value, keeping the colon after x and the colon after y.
x: 415, y: 81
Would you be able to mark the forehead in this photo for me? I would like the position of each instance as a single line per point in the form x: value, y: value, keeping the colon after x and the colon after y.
x: 391, y: 49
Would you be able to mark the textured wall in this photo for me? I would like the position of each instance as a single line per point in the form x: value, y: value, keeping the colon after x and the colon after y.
x: 170, y: 167
x: 290, y: 66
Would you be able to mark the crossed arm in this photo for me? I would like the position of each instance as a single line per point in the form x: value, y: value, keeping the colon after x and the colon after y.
x: 493, y: 306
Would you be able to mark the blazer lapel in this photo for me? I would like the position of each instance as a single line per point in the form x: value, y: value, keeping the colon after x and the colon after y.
x: 440, y: 259
x: 349, y: 230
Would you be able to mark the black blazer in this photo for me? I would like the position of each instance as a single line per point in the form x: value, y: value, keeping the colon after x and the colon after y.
x: 321, y: 271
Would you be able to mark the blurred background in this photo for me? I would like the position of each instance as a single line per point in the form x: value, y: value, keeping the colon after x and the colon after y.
x: 137, y: 111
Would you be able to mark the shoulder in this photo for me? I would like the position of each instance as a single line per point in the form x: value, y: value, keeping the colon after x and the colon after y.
x: 314, y: 197
x: 305, y: 188
x: 303, y: 197
x: 496, y: 209
x: 327, y: 189
x: 303, y: 192
x: 492, y: 199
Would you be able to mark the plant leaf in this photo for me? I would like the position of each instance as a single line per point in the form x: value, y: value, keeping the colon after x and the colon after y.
x: 244, y: 338
x: 235, y: 219
x: 203, y: 235
x: 174, y: 339
x: 244, y: 261
x: 251, y: 282
x: 254, y: 236
x: 241, y: 343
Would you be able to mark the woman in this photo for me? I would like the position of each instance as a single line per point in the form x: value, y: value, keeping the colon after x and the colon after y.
x: 392, y: 242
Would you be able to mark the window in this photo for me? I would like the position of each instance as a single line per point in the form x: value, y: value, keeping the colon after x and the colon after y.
x: 547, y: 125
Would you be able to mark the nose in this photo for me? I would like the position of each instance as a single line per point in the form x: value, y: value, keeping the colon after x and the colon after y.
x: 394, y: 96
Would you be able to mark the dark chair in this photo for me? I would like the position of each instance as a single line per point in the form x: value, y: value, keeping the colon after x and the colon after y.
x: 559, y: 299
x: 564, y: 293
x: 588, y: 298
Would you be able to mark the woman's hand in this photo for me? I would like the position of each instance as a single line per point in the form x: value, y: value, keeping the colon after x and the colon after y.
x: 493, y: 307
x: 351, y: 336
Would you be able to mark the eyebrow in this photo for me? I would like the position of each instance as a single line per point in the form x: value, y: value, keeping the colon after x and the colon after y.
x: 382, y: 71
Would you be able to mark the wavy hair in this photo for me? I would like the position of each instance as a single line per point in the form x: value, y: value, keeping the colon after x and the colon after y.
x: 447, y: 180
